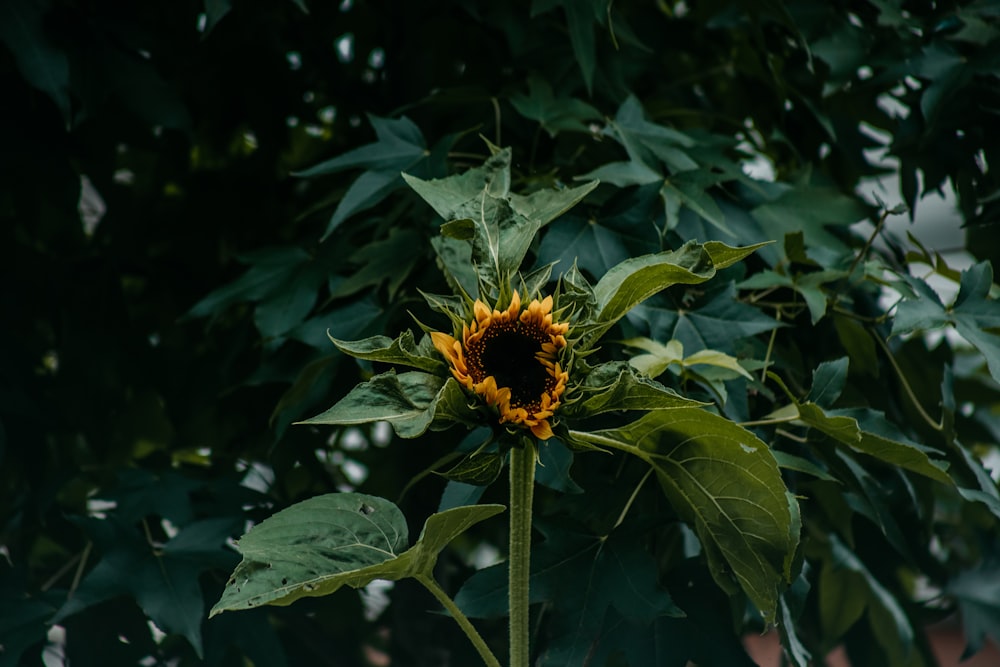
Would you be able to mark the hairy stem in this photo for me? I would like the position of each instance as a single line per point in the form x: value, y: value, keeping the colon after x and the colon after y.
x: 470, y: 631
x: 522, y: 488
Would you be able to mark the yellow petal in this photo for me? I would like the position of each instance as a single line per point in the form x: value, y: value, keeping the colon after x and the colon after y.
x: 542, y: 430
x: 444, y: 344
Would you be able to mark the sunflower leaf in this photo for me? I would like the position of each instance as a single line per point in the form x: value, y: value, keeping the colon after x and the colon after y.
x: 617, y: 386
x: 477, y: 205
x: 480, y: 469
x: 319, y: 545
x: 411, y: 402
x: 724, y: 481
x: 404, y: 350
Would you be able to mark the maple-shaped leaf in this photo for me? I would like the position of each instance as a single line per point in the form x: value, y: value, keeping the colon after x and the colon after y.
x: 582, y: 576
x: 685, y: 168
x: 163, y: 580
x: 716, y: 321
x: 555, y: 113
x: 399, y: 147
x: 623, y: 228
x: 973, y: 314
x: 978, y: 595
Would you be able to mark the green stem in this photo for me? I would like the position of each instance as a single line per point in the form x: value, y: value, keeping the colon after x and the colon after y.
x: 522, y: 488
x: 936, y: 425
x: 470, y: 631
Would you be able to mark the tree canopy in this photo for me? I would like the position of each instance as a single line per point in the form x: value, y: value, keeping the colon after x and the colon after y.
x: 780, y: 417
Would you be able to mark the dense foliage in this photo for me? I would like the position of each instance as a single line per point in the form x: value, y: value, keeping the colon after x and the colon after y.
x: 196, y: 194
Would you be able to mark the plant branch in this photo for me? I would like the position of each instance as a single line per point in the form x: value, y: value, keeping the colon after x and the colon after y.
x: 868, y: 244
x: 79, y: 570
x: 522, y: 488
x: 936, y: 425
x: 770, y: 348
x: 463, y: 621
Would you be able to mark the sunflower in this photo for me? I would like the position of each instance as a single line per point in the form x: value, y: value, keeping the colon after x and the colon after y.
x: 511, y: 359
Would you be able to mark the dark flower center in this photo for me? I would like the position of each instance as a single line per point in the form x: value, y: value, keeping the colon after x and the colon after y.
x: 507, y: 352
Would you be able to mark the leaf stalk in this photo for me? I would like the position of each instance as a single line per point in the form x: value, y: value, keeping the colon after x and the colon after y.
x: 463, y: 621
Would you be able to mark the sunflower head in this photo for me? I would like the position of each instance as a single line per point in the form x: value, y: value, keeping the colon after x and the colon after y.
x: 510, y: 358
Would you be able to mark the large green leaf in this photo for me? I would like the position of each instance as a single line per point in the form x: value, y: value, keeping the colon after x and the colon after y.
x: 283, y: 282
x: 868, y: 432
x: 581, y: 15
x: 616, y: 385
x: 978, y: 595
x: 42, y: 64
x: 478, y: 205
x: 319, y: 545
x: 724, y: 481
x: 716, y: 320
x: 890, y: 624
x: 399, y: 145
x: 973, y: 314
x: 555, y: 113
x: 810, y: 210
x: 634, y: 280
x: 843, y: 426
x: 411, y: 402
x: 163, y: 582
x: 623, y: 227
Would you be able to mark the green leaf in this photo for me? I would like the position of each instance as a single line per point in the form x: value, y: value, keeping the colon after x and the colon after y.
x: 842, y: 599
x: 480, y: 469
x: 215, y: 10
x: 808, y: 285
x: 623, y: 227
x: 164, y: 583
x: 724, y: 256
x: 660, y: 357
x: 403, y: 351
x: 717, y: 320
x: 399, y: 145
x: 843, y: 426
x: 580, y: 18
x: 978, y: 595
x: 411, y: 402
x: 888, y: 619
x: 398, y: 141
x: 283, y: 282
x: 828, y: 381
x: 389, y: 260
x: 615, y: 385
x: 624, y: 174
x: 799, y: 464
x: 455, y: 261
x: 690, y: 189
x: 859, y: 345
x: 810, y: 210
x: 635, y: 280
x: 505, y: 224
x: 42, y: 65
x: 554, y: 462
x: 553, y: 113
x: 646, y: 142
x: 724, y: 481
x: 787, y: 622
x: 319, y: 545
